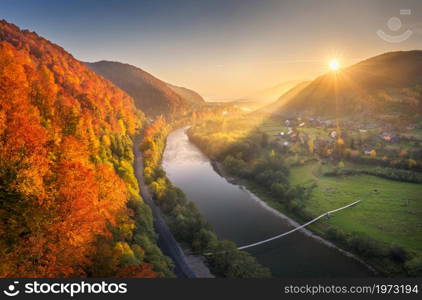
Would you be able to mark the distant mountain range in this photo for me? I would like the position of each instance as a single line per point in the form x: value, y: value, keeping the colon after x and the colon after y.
x: 261, y: 98
x: 390, y: 83
x: 151, y: 95
x: 270, y: 94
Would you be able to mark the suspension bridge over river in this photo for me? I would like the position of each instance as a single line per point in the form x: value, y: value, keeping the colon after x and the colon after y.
x: 327, y: 214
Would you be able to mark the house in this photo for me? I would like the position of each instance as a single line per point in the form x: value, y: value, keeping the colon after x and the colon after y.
x: 328, y: 123
x: 333, y: 134
x: 302, y: 124
x: 286, y: 144
x: 363, y: 130
x: 282, y: 133
x: 367, y: 152
x: 287, y: 123
x: 289, y: 131
x: 371, y: 125
x: 386, y: 137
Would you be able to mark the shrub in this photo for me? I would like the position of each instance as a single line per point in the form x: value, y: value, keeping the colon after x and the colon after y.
x: 335, y: 235
x: 398, y: 254
x: 366, y: 246
x: 414, y: 266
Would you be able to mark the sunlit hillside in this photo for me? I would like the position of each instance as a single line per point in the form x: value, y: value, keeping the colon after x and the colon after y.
x: 386, y: 84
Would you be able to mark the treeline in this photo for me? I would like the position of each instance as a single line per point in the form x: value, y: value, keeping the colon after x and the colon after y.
x: 398, y: 162
x: 69, y: 204
x: 393, y: 258
x: 185, y: 221
x: 388, y: 173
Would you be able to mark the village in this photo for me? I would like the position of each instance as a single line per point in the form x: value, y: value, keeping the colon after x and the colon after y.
x: 377, y: 143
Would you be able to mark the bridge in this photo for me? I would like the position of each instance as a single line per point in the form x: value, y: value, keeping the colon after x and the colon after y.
x: 327, y: 214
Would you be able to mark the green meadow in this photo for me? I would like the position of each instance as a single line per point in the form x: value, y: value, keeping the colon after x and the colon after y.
x: 390, y: 211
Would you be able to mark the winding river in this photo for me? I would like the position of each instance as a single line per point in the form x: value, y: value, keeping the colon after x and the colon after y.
x: 237, y: 215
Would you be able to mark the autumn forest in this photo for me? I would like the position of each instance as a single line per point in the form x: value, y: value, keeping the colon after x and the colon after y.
x: 69, y: 203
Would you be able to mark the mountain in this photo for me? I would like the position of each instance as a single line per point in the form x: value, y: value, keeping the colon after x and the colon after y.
x: 276, y: 106
x: 190, y: 96
x: 151, y: 95
x: 69, y: 203
x: 271, y: 94
x: 387, y: 84
x: 265, y: 97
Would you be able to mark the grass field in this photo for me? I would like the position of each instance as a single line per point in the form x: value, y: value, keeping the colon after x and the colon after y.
x: 390, y: 211
x: 272, y: 128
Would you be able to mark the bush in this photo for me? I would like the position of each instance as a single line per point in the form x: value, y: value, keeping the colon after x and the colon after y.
x: 335, y: 235
x: 230, y: 262
x: 366, y: 246
x: 414, y: 266
x: 398, y: 254
x: 279, y: 190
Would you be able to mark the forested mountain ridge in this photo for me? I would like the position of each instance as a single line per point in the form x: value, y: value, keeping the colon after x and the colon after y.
x: 151, y: 95
x: 389, y: 83
x: 189, y: 95
x: 69, y: 203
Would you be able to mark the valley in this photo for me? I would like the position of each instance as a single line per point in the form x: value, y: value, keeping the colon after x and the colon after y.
x: 110, y: 171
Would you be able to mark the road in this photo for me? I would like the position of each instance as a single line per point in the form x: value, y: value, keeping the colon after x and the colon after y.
x: 166, y: 240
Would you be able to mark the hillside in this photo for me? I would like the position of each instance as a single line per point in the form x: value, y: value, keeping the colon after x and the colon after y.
x: 69, y: 203
x: 276, y: 106
x: 390, y: 83
x: 262, y: 98
x: 273, y: 93
x: 151, y: 95
x: 188, y: 95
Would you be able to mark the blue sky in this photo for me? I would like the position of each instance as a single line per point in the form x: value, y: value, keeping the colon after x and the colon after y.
x: 222, y: 49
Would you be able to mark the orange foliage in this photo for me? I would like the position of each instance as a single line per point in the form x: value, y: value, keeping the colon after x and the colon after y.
x: 54, y: 200
x: 143, y: 271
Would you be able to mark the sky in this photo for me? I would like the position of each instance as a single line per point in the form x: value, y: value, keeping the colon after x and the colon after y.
x: 222, y: 49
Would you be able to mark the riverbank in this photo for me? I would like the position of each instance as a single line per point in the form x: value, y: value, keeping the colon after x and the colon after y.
x: 235, y: 215
x: 183, y: 217
x: 276, y: 208
x: 186, y: 266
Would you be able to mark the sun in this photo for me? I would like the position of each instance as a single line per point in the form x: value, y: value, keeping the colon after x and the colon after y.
x: 334, y: 65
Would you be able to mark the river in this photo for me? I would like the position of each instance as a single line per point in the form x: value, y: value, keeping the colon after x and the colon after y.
x: 237, y: 215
